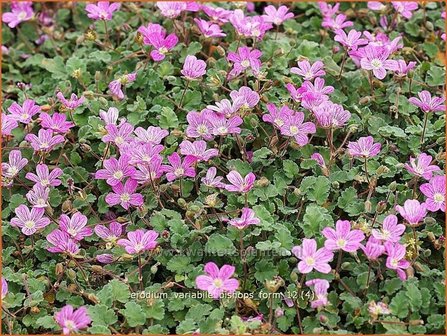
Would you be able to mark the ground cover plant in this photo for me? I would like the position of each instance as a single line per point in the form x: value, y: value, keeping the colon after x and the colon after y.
x: 223, y: 168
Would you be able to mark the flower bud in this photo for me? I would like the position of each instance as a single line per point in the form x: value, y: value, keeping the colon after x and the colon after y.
x: 294, y: 276
x: 416, y: 322
x: 93, y: 298
x: 90, y: 35
x: 273, y: 285
x: 77, y: 73
x: 279, y: 312
x: 182, y: 203
x: 263, y: 182
x: 323, y: 319
x: 410, y: 272
x: 429, y: 221
x: 139, y: 38
x: 71, y: 274
x: 380, y: 207
x: 35, y: 310
x: 59, y: 269
x: 393, y: 186
x: 154, y: 269
x: 368, y: 206
x: 382, y: 170
x: 365, y: 100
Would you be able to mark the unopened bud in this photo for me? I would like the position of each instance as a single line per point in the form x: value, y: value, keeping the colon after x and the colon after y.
x: 93, y: 298
x: 380, y: 207
x: 393, y: 186
x: 59, y: 269
x: 368, y: 206
x: 35, y: 310
x: 90, y: 35
x: 182, y: 203
x: 429, y: 221
x: 263, y: 182
x: 45, y: 108
x: 323, y: 319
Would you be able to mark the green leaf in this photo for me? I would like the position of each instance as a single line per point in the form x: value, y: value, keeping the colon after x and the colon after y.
x: 315, y: 219
x: 134, y: 314
x: 168, y: 118
x: 290, y: 168
x: 220, y: 245
x: 101, y: 315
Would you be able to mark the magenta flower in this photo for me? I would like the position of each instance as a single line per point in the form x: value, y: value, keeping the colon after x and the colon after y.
x: 153, y: 135
x: 9, y: 123
x: 216, y: 14
x: 4, y: 288
x: 318, y: 87
x: 15, y: 164
x: 247, y: 218
x: 294, y: 127
x: 312, y: 100
x: 210, y: 180
x: 342, y: 238
x: 239, y: 184
x: 177, y: 168
x: 172, y: 9
x: 25, y: 113
x: 405, y: 8
x: 434, y: 190
x: 150, y: 171
x: 21, y: 11
x: 320, y: 287
x: 244, y: 59
x: 376, y: 5
x: 328, y: 10
x: 245, y: 96
x: 103, y: 10
x: 193, y: 68
x: 29, y: 221
x: 223, y: 126
x: 119, y: 135
x: 111, y: 233
x: 155, y: 36
x: 110, y: 117
x: 44, y: 141
x: 198, y: 150
x: 141, y: 153
x: 402, y: 68
x: 277, y: 117
x: 217, y: 281
x: 139, y: 241
x: 309, y: 71
x: 44, y: 177
x: 373, y: 248
x: 75, y: 226
x: 249, y: 26
x: 199, y: 124
x: 396, y: 259
x: 427, y: 103
x: 295, y: 93
x: 125, y: 195
x: 339, y: 22
x: 421, y: 166
x: 73, y: 102
x: 61, y: 242
x: 276, y: 16
x: 311, y: 258
x: 209, y: 29
x: 116, y: 85
x: 350, y: 41
x: 71, y: 320
x: 391, y: 231
x: 38, y: 196
x: 227, y: 108
x: 115, y: 171
x: 375, y: 58
x: 105, y: 258
x: 364, y: 147
x: 57, y: 122
x: 330, y: 115
x: 412, y: 211
x: 319, y: 158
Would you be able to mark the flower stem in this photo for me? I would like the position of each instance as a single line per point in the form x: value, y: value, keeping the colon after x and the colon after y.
x: 340, y: 253
x: 183, y: 94
x: 244, y: 261
x: 140, y: 272
x: 366, y: 171
x: 106, y: 31
x: 343, y: 62
x: 425, y: 127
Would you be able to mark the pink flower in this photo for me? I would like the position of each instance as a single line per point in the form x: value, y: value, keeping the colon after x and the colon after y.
x: 125, y: 195
x: 25, y: 113
x: 193, y: 68
x: 152, y: 134
x: 312, y: 100
x: 245, y: 96
x: 320, y: 287
x: 364, y: 147
x: 29, y: 221
x: 376, y: 5
x: 309, y: 71
x: 4, y: 288
x: 227, y: 108
x: 150, y: 171
x: 244, y: 59
x: 311, y: 258
x: 327, y: 10
x: 223, y: 126
x: 109, y: 117
x: 105, y: 258
x: 330, y: 115
x: 139, y: 241
x: 373, y: 248
x: 427, y: 103
x: 155, y: 35
x: 142, y: 153
x: 295, y: 93
x: 44, y: 141
x: 111, y: 233
x: 209, y: 29
x: 15, y: 164
x: 210, y: 180
x: 62, y: 243
x: 434, y: 190
x: 177, y: 168
x: 277, y: 117
x: 44, y: 177
x: 391, y: 231
x: 57, y: 122
x: 119, y: 135
x: 218, y: 281
x: 350, y: 41
x: 21, y: 11
x: 115, y: 170
x: 396, y: 259
x: 216, y: 14
x: 402, y: 68
x: 421, y: 166
x: 276, y: 16
x: 376, y: 59
x: 294, y: 127
x: 199, y: 124
x: 339, y: 22
x: 342, y: 238
x: 71, y: 104
x: 239, y: 184
x: 249, y: 26
x: 38, y: 196
x: 71, y: 320
x: 247, y: 218
x: 318, y: 87
x: 172, y: 9
x: 115, y: 86
x: 319, y: 158
x: 405, y: 8
x: 75, y: 226
x: 103, y: 10
x: 198, y: 150
x: 9, y: 123
x: 412, y: 211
